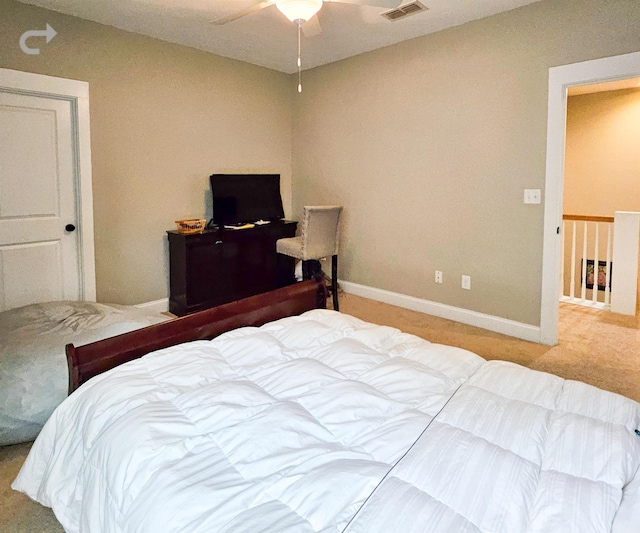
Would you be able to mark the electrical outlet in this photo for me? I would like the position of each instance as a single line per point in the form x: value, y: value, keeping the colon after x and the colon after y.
x: 466, y: 282
x: 438, y: 276
x: 532, y: 196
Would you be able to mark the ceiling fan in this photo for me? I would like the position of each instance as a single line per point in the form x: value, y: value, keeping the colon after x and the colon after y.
x: 304, y: 14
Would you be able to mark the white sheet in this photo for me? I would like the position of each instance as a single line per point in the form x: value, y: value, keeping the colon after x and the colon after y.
x: 292, y: 426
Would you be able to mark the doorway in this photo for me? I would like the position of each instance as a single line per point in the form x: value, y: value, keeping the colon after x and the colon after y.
x: 46, y: 211
x: 560, y: 79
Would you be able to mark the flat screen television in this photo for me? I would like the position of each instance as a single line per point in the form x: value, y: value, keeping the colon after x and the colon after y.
x: 245, y: 198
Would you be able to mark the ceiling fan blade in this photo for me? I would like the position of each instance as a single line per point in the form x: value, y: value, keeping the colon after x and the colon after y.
x: 312, y: 27
x: 389, y: 4
x: 240, y: 14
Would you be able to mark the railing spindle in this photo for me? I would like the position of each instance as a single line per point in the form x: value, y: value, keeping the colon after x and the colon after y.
x: 596, y: 264
x: 607, y: 294
x: 561, y: 284
x: 583, y: 292
x: 572, y: 292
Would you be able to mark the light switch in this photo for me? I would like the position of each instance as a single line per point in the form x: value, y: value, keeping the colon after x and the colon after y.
x: 532, y: 196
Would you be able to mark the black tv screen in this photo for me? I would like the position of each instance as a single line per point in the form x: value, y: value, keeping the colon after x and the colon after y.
x: 245, y: 198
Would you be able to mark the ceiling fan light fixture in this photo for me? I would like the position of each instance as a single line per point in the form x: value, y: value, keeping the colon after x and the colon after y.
x: 296, y: 10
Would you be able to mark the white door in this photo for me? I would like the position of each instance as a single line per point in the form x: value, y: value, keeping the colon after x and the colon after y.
x: 38, y: 257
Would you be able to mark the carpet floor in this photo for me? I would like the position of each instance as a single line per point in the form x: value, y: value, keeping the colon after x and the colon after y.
x: 597, y: 347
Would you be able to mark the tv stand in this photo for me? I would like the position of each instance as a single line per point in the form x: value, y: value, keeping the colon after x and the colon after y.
x: 223, y: 265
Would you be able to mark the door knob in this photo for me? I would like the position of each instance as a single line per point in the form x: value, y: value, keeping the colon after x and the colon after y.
x: 69, y: 227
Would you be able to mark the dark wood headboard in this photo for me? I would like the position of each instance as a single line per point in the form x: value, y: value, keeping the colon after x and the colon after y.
x: 92, y: 359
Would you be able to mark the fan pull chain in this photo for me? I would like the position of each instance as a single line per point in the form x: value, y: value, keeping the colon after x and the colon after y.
x: 299, y: 62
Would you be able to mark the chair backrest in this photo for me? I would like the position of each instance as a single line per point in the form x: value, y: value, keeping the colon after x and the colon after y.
x: 320, y: 231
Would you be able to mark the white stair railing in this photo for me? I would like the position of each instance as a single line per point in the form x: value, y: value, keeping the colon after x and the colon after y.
x: 592, y: 270
x: 626, y: 249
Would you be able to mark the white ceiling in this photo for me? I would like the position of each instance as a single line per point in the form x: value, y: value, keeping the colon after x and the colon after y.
x: 266, y: 37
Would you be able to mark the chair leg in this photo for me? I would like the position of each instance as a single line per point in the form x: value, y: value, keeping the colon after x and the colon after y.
x: 334, y: 281
x: 311, y: 268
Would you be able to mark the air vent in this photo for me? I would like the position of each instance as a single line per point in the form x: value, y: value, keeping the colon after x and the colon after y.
x: 405, y: 10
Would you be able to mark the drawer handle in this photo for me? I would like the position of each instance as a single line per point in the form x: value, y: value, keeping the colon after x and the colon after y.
x: 218, y: 242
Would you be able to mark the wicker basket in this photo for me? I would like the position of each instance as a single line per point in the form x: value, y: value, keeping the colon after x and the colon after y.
x: 191, y: 225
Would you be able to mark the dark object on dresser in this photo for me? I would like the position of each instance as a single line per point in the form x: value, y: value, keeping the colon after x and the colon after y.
x: 221, y: 266
x: 242, y: 198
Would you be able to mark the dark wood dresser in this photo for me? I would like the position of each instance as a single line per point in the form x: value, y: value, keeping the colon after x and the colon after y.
x: 220, y: 266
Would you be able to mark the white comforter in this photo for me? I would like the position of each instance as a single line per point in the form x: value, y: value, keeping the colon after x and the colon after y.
x: 323, y: 422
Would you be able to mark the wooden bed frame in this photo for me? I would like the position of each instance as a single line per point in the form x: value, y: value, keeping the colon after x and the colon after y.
x: 92, y: 359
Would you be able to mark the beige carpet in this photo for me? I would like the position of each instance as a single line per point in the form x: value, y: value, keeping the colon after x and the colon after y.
x: 596, y: 347
x: 18, y: 514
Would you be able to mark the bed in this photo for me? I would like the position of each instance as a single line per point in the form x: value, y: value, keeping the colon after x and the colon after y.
x: 33, y: 368
x: 274, y: 414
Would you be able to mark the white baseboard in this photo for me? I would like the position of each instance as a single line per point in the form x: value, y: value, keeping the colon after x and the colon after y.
x: 160, y: 306
x: 492, y: 323
x: 465, y: 316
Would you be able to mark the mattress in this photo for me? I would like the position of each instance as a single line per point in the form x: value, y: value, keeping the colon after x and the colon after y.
x: 325, y: 423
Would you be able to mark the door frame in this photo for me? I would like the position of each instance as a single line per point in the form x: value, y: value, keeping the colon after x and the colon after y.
x: 77, y: 94
x: 560, y: 79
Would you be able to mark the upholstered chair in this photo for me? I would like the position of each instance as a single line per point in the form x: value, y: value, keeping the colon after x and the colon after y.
x: 318, y: 239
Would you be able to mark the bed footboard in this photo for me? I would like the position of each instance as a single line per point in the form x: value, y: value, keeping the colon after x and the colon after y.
x: 89, y: 360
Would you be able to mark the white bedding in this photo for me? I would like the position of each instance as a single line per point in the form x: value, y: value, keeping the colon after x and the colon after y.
x: 515, y: 451
x: 297, y: 426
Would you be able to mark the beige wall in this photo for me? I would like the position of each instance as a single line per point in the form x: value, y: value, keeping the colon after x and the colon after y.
x: 429, y: 144
x: 163, y: 118
x: 602, y: 157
